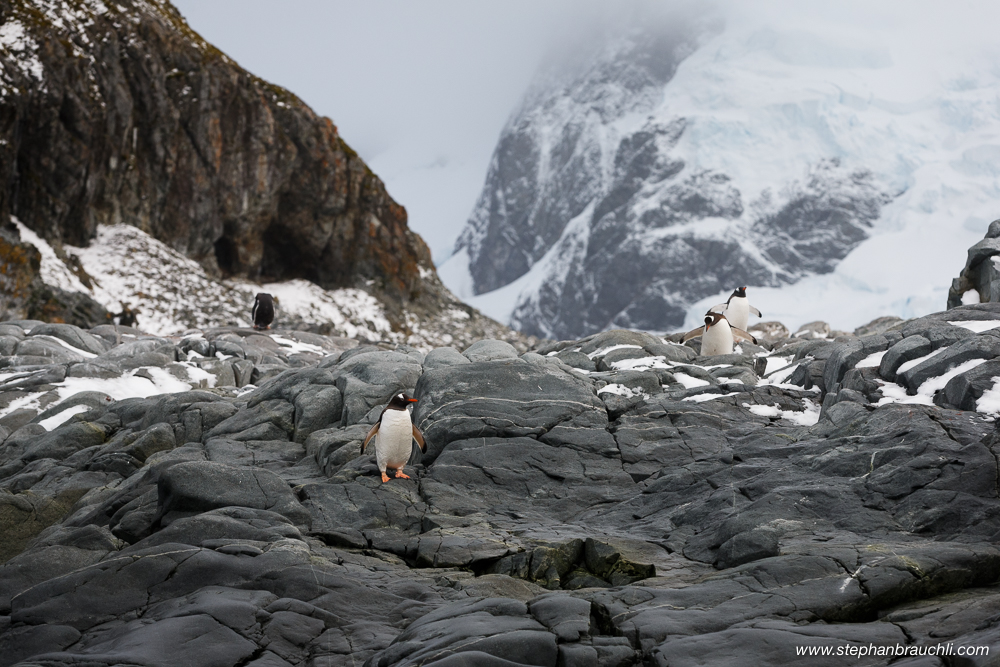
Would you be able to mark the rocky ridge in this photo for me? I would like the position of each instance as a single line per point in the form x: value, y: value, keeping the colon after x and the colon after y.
x: 979, y: 279
x: 118, y: 114
x: 612, y: 500
x: 168, y: 294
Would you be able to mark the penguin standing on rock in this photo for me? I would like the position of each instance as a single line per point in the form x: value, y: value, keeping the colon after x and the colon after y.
x: 263, y: 311
x: 737, y: 309
x: 717, y: 336
x: 394, y: 433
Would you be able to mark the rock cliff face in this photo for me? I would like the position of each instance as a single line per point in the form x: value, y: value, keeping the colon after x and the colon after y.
x: 615, y: 500
x: 117, y: 112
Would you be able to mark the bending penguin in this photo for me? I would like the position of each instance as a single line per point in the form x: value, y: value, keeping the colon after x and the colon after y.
x: 393, y: 433
x: 717, y: 335
x: 737, y: 309
x: 263, y: 311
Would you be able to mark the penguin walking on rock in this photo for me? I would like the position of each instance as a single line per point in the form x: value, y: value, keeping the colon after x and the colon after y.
x: 737, y: 309
x: 393, y: 434
x: 717, y: 336
x: 263, y: 311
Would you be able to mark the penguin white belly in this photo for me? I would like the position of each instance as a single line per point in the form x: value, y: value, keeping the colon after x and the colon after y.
x: 738, y: 312
x: 717, y: 340
x: 393, y: 440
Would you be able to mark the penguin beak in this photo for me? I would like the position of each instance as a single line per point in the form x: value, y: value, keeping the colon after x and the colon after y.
x: 411, y: 400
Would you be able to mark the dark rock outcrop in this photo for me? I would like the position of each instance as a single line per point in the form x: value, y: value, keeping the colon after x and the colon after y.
x: 119, y: 112
x: 640, y: 505
x: 979, y: 280
x: 23, y: 294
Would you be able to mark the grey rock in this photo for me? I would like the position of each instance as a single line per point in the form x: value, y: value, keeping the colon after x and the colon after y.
x: 12, y: 330
x: 845, y: 355
x: 607, y: 361
x: 912, y: 347
x: 64, y: 441
x: 222, y: 370
x: 443, y: 356
x: 577, y: 359
x: 200, y: 486
x: 225, y: 525
x: 268, y: 420
x: 20, y: 643
x: 75, y: 336
x: 964, y: 390
x: 369, y: 380
x: 316, y: 408
x: 494, y: 627
x: 46, y: 348
x: 97, y: 403
x: 566, y: 617
x: 490, y: 350
x: 748, y: 546
x: 879, y: 325
x: 979, y: 347
x: 641, y: 532
x: 135, y: 348
x: 158, y: 438
x: 508, y: 398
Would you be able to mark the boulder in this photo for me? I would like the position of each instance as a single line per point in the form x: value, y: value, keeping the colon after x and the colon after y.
x: 507, y: 398
x: 199, y: 486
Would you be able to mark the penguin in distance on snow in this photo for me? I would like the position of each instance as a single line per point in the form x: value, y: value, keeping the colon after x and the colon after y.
x: 717, y: 336
x: 393, y: 433
x: 263, y: 311
x: 737, y: 309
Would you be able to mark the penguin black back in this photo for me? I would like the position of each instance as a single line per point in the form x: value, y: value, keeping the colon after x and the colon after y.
x: 263, y: 311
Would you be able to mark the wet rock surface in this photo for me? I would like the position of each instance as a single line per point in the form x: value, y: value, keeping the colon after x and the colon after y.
x: 615, y: 500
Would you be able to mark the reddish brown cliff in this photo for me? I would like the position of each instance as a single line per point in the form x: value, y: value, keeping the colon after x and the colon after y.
x: 117, y: 111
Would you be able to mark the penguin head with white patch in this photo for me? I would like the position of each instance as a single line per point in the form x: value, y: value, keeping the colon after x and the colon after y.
x: 711, y: 319
x: 740, y: 292
x: 400, y: 402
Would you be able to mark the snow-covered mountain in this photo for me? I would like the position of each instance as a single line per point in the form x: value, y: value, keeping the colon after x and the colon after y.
x: 840, y: 172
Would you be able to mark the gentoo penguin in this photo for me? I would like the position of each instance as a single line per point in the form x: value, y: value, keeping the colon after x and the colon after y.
x: 263, y: 311
x: 717, y: 335
x: 393, y: 433
x: 737, y: 309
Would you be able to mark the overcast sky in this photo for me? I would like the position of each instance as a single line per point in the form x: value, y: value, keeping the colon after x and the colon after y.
x: 420, y: 89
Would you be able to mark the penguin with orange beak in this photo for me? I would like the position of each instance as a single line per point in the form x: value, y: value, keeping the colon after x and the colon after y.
x: 718, y: 335
x: 393, y: 433
x: 737, y: 309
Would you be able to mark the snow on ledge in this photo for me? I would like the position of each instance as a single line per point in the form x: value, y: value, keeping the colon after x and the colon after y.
x: 977, y: 326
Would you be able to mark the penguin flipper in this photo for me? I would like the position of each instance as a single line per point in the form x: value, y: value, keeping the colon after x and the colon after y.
x: 755, y: 311
x: 740, y: 333
x: 419, y: 437
x: 371, y: 434
x: 719, y: 308
x: 694, y: 333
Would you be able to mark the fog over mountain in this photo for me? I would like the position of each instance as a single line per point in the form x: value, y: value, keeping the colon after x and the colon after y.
x: 770, y: 92
x: 841, y: 171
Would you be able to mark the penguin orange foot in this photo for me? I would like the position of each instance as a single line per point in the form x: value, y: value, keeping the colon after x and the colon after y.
x: 385, y: 478
x: 401, y: 475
